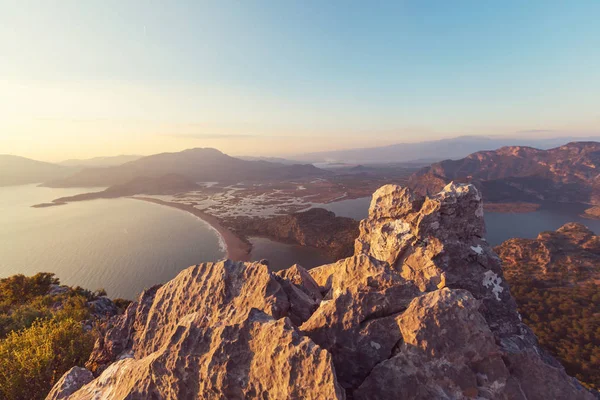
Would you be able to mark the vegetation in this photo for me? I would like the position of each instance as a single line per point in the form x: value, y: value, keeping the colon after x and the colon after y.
x: 42, y: 333
x: 33, y: 359
x: 566, y: 321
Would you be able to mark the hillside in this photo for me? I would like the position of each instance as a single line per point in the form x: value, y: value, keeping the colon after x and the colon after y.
x: 109, y: 161
x: 567, y: 173
x: 555, y: 279
x: 201, y: 164
x: 16, y: 170
x: 316, y: 227
x: 420, y: 311
x: 162, y: 185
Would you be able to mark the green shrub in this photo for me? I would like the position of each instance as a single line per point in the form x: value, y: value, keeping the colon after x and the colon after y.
x: 32, y: 360
x: 19, y: 289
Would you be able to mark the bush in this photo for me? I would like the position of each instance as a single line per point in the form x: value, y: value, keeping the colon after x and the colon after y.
x: 19, y: 289
x: 32, y: 360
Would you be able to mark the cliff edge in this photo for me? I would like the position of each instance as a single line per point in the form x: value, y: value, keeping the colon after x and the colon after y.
x: 420, y: 311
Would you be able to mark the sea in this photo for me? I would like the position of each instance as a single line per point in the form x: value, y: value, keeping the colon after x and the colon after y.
x: 125, y: 246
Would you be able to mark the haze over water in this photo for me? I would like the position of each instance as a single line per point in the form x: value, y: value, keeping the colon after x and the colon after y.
x: 122, y: 245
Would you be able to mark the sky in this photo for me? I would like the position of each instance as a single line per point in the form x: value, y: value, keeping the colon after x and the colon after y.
x: 92, y: 78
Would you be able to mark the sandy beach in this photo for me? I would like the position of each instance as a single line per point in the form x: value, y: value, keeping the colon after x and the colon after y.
x: 236, y: 248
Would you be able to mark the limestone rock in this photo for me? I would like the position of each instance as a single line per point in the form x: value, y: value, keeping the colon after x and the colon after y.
x: 70, y: 382
x: 218, y: 330
x: 460, y: 360
x: 259, y: 357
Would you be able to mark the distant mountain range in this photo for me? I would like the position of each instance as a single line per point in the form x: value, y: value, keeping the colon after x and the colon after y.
x: 569, y: 173
x: 431, y: 151
x: 200, y: 164
x: 16, y: 170
x: 100, y: 161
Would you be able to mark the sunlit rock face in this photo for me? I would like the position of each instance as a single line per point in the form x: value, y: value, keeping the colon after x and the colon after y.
x: 420, y: 311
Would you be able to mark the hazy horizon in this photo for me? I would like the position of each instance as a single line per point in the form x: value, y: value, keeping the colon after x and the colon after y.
x: 83, y: 80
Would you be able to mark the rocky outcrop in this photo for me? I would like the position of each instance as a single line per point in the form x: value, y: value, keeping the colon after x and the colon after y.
x: 316, y: 227
x: 592, y: 213
x: 567, y: 173
x: 70, y: 382
x: 563, y: 258
x: 420, y: 311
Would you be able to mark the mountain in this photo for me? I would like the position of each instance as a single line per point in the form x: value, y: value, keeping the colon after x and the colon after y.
x: 269, y: 159
x: 420, y: 311
x: 15, y: 170
x: 427, y: 152
x: 200, y: 164
x: 567, y: 173
x: 100, y: 161
x: 555, y: 279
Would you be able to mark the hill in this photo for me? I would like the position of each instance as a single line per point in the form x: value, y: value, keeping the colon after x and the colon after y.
x: 567, y: 173
x: 555, y: 279
x: 316, y: 227
x: 100, y: 161
x: 198, y: 165
x: 15, y: 170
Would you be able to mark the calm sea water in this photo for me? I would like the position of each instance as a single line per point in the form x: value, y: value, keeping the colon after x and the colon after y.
x: 121, y: 245
x: 125, y: 246
x: 282, y: 255
x: 500, y: 226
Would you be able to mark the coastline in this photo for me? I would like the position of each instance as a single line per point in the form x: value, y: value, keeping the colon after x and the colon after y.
x: 235, y: 248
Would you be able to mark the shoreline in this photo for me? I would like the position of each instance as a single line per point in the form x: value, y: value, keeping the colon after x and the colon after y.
x: 235, y: 248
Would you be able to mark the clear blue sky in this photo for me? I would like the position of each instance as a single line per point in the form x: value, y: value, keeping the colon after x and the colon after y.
x: 271, y: 76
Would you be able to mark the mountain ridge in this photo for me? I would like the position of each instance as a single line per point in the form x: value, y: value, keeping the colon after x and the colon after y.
x: 567, y: 173
x: 198, y: 164
x: 433, y: 150
x: 17, y: 170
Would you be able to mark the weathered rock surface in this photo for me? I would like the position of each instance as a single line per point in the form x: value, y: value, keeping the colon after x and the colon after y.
x: 70, y: 382
x: 421, y: 311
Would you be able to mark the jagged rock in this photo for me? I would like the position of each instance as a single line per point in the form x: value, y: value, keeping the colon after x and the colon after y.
x: 70, y: 382
x: 218, y: 330
x: 103, y: 307
x: 118, y: 339
x: 259, y: 357
x: 420, y: 311
x: 302, y: 290
x: 57, y: 289
x: 449, y: 352
x: 303, y: 279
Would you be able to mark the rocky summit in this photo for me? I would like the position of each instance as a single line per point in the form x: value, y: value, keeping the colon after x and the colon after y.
x: 420, y: 311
